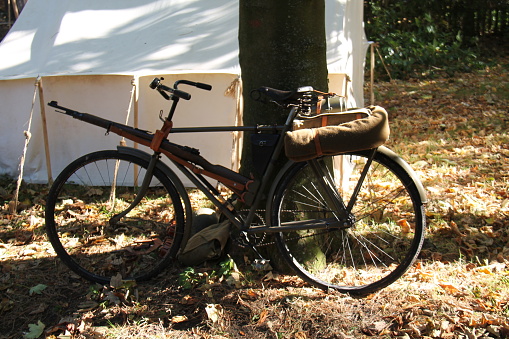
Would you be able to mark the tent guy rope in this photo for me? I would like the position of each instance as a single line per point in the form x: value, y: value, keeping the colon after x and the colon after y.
x: 13, y: 205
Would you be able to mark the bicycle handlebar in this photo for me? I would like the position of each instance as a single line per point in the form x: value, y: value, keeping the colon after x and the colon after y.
x: 162, y: 89
x: 200, y: 85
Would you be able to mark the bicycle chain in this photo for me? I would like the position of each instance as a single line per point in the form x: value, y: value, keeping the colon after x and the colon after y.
x: 244, y: 245
x: 290, y: 239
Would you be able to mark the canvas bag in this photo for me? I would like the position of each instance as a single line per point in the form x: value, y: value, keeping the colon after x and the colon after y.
x: 365, y: 133
x: 330, y: 118
x: 207, y: 244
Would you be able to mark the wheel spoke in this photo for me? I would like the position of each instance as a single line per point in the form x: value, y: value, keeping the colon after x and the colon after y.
x: 88, y: 193
x: 369, y: 253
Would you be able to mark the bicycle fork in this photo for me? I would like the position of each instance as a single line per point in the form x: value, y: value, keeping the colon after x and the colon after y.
x: 332, y: 195
x: 141, y: 191
x: 342, y: 212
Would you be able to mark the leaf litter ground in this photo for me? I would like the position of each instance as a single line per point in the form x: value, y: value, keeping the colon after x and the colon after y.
x: 454, y: 133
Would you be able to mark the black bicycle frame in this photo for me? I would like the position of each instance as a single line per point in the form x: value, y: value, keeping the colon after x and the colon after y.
x: 202, y: 184
x: 343, y: 218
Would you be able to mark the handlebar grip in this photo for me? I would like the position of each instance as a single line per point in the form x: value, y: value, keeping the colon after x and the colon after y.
x: 206, y: 87
x: 162, y: 89
x: 181, y: 94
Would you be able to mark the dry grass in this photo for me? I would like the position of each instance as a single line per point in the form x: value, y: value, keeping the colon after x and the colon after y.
x: 452, y: 131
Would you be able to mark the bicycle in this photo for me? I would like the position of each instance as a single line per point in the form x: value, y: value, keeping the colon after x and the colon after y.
x: 124, y: 211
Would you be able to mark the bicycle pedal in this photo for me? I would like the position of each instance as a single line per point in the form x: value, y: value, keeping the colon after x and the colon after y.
x: 261, y: 265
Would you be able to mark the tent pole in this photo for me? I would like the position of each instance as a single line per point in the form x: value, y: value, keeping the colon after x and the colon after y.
x: 134, y: 99
x: 45, y: 132
x: 372, y: 72
x: 136, y: 84
x: 9, y: 13
x: 15, y: 8
x: 235, y: 91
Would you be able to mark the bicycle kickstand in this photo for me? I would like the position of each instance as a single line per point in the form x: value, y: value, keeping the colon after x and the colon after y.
x: 259, y: 264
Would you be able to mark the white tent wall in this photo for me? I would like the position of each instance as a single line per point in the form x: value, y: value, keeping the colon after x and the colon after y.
x: 15, y: 105
x: 206, y: 108
x: 70, y: 37
x: 87, y: 54
x: 346, y: 46
x: 108, y: 96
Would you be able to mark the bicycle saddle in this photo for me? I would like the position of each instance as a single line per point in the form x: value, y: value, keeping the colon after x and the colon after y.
x: 279, y: 96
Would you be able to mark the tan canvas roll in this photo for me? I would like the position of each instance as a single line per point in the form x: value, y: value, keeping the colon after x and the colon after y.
x: 330, y: 118
x: 365, y: 133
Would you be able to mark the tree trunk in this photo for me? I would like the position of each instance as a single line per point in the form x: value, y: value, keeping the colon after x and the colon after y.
x: 282, y: 45
x: 470, y: 24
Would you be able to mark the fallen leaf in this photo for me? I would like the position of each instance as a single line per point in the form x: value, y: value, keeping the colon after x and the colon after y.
x: 87, y: 306
x: 455, y: 229
x: 214, y: 312
x: 405, y: 226
x: 234, y: 279
x: 116, y: 281
x: 262, y: 318
x: 188, y: 300
x: 40, y: 309
x: 451, y: 289
x: 178, y: 319
x: 37, y: 289
x: 252, y: 294
x: 375, y: 328
x: 34, y: 330
x: 6, y: 305
x: 270, y: 276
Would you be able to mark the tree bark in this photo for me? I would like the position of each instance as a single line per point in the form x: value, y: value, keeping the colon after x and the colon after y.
x: 282, y: 45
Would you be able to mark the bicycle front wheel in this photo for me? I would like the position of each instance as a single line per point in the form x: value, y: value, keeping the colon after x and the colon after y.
x: 93, y: 189
x: 375, y: 247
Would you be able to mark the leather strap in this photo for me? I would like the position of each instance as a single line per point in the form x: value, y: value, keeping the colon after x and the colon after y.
x: 318, y: 147
x: 324, y: 120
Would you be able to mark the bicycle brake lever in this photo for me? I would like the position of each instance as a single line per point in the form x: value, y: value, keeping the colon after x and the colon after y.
x: 164, y: 94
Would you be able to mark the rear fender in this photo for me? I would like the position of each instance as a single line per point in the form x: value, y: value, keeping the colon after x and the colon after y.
x: 396, y: 158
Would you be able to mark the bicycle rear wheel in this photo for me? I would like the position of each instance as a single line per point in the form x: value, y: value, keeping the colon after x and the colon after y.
x: 88, y: 193
x: 388, y: 222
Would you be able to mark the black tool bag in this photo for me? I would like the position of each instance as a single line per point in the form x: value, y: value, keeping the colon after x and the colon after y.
x: 262, y: 147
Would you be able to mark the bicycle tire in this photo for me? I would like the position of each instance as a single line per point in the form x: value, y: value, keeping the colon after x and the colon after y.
x: 383, y: 242
x: 97, y: 186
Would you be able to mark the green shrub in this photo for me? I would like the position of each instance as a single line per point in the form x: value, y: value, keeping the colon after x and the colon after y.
x: 415, y: 43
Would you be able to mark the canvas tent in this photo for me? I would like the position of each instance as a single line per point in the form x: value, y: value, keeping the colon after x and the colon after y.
x: 99, y: 57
